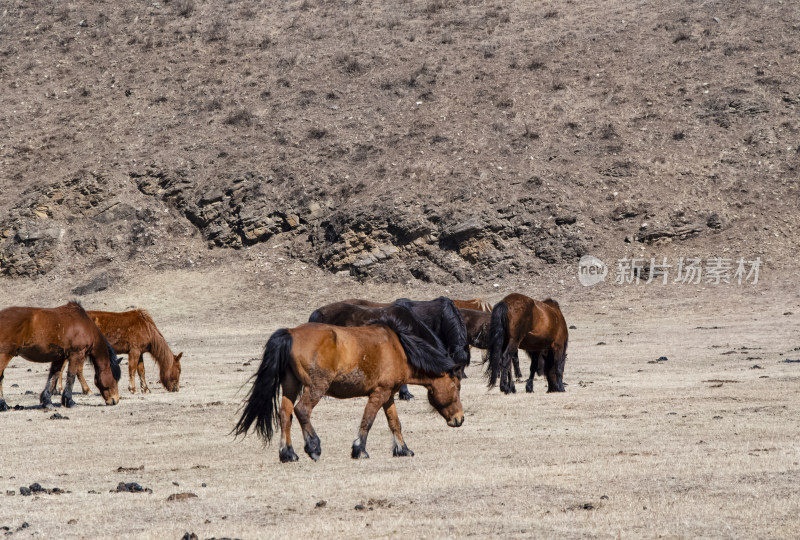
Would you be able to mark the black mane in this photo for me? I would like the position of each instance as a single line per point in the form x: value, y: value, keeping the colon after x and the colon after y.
x: 423, y: 349
x: 442, y: 316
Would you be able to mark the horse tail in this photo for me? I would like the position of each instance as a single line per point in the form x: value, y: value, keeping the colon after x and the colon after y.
x: 498, y: 332
x: 425, y: 354
x: 261, y: 406
x: 316, y: 316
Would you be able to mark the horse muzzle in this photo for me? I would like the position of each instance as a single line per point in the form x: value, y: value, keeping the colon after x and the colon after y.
x: 113, y: 400
x: 456, y: 421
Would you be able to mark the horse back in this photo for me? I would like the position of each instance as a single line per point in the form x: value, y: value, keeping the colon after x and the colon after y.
x: 124, y: 330
x: 353, y: 360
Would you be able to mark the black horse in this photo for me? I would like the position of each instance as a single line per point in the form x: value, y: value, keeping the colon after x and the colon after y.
x: 440, y: 315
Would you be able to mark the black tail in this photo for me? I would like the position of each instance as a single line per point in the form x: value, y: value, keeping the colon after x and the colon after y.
x: 261, y: 406
x: 498, y: 335
x: 423, y: 349
x: 316, y: 316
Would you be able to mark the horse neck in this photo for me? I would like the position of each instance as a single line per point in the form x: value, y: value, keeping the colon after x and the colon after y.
x: 159, y: 349
x: 419, y: 377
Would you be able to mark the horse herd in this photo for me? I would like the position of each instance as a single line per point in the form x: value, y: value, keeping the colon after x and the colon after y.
x: 354, y: 348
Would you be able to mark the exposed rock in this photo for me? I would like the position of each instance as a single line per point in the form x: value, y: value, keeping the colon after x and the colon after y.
x: 96, y: 284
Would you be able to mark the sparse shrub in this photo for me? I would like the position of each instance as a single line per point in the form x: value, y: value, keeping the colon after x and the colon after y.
x: 185, y: 8
x: 558, y: 85
x: 317, y: 132
x: 678, y: 136
x: 434, y: 6
x: 348, y: 62
x: 528, y: 134
x: 241, y: 117
x: 682, y: 36
x: 218, y: 31
x: 608, y: 132
x: 535, y: 65
x: 214, y: 105
x: 447, y: 39
x: 552, y: 14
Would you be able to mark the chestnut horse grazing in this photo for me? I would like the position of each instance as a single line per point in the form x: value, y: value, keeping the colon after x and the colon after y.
x: 317, y: 359
x: 55, y: 336
x: 134, y: 333
x: 538, y: 328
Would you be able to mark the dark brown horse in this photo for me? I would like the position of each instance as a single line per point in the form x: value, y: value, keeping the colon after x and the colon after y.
x: 134, y: 333
x: 55, y: 336
x: 478, y: 325
x: 538, y: 328
x: 316, y: 359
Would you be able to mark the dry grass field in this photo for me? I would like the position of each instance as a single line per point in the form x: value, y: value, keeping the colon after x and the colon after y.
x: 703, y: 444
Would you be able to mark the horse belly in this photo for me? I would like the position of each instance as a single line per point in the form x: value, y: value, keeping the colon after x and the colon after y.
x: 40, y: 355
x: 532, y: 342
x: 351, y: 384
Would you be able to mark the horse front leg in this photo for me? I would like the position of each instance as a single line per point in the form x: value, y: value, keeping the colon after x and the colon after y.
x: 302, y: 409
x: 399, y: 447
x: 535, y: 361
x: 291, y: 387
x: 45, y: 398
x: 376, y: 400
x: 4, y: 360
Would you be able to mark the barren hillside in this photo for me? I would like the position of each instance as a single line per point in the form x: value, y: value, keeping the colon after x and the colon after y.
x: 440, y: 140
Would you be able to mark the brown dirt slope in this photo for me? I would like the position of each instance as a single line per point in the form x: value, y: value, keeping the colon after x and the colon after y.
x: 443, y: 140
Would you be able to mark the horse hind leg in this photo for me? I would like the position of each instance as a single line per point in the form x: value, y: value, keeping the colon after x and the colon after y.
x: 309, y: 399
x: 376, y: 400
x: 4, y: 360
x: 140, y: 371
x: 510, y: 357
x: 399, y: 448
x: 535, y: 359
x: 291, y: 387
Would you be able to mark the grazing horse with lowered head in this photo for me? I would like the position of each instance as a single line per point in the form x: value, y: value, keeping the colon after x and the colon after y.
x: 56, y: 336
x: 538, y: 328
x: 135, y: 333
x: 317, y: 359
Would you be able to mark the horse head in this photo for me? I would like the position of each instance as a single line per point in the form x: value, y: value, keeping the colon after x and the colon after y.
x: 444, y: 394
x: 170, y: 378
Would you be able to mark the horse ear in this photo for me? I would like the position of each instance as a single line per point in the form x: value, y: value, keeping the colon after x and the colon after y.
x: 177, y: 358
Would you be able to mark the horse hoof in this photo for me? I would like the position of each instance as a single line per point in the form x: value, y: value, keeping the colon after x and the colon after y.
x: 131, y: 390
x: 86, y: 392
x: 405, y: 451
x: 68, y: 403
x: 405, y: 396
x: 359, y: 453
x: 287, y: 454
x: 48, y: 406
x: 529, y: 387
x: 145, y: 390
x: 3, y: 406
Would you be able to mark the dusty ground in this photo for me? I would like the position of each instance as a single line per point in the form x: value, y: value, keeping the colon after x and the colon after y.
x: 700, y: 445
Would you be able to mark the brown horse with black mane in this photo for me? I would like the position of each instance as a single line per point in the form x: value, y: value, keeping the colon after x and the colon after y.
x: 538, y: 328
x: 134, y: 333
x: 317, y: 359
x: 56, y: 336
